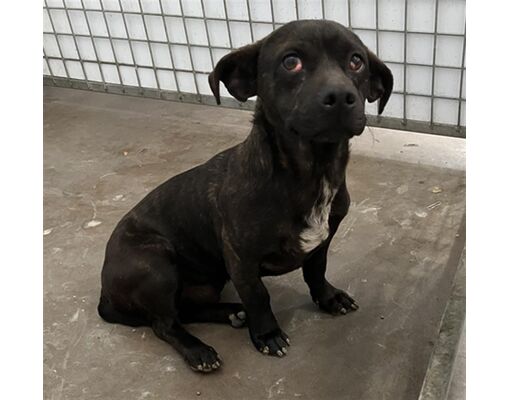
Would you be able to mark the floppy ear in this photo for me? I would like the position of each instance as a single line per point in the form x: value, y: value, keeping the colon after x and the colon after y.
x: 238, y: 71
x: 381, y: 81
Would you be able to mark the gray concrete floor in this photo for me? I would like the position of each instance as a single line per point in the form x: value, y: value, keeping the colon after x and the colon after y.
x: 458, y: 386
x: 396, y: 253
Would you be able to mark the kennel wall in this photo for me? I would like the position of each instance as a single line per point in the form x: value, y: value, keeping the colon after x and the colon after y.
x: 166, y: 48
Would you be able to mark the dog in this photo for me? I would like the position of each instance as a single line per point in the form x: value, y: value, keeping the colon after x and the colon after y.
x: 266, y: 206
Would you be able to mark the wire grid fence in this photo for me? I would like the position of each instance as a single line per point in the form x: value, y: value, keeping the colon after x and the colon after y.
x: 166, y: 48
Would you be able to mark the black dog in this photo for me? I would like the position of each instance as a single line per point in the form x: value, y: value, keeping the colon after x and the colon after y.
x: 267, y: 206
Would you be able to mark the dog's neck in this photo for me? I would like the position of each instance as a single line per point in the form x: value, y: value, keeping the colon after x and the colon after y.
x: 275, y: 150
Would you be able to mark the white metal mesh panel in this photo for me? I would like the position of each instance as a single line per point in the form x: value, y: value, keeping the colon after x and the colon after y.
x: 166, y: 48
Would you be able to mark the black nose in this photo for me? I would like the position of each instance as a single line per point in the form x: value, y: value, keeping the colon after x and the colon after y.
x: 334, y: 98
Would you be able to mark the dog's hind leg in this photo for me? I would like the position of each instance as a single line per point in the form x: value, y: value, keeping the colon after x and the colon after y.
x: 200, y: 303
x: 222, y: 313
x: 141, y: 282
x: 157, y: 294
x: 198, y: 355
x: 109, y: 313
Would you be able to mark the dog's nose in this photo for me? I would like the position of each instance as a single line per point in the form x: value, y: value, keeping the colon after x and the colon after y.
x: 333, y: 98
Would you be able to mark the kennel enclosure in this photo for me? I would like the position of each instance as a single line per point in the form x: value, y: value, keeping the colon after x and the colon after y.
x: 166, y: 48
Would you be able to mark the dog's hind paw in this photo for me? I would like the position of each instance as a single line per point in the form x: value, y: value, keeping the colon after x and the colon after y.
x: 203, y: 359
x: 238, y: 320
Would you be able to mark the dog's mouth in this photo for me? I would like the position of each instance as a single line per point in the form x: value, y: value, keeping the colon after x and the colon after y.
x: 359, y: 126
x: 356, y: 128
x: 308, y: 134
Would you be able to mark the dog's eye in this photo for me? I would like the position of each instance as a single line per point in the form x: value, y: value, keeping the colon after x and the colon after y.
x: 292, y: 63
x: 356, y: 63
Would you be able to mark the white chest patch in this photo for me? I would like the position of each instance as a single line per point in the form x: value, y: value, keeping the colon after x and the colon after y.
x: 317, y: 230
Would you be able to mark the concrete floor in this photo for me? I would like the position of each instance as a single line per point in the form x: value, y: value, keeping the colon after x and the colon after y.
x: 396, y: 253
x: 458, y: 385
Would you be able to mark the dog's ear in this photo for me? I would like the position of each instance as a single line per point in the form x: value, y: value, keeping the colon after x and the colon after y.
x: 238, y: 71
x: 381, y: 81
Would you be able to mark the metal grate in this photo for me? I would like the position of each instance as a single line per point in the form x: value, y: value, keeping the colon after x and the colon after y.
x: 166, y: 48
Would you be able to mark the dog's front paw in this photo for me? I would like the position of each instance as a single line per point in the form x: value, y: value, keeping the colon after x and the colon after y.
x: 274, y: 343
x: 336, y: 301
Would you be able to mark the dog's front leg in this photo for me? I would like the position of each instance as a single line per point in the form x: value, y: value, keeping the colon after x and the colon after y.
x: 330, y: 299
x: 265, y: 333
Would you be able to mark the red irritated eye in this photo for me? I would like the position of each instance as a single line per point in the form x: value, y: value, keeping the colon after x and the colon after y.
x: 292, y: 63
x: 356, y: 63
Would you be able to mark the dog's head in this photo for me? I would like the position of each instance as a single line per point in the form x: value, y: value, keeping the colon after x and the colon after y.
x: 312, y: 78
